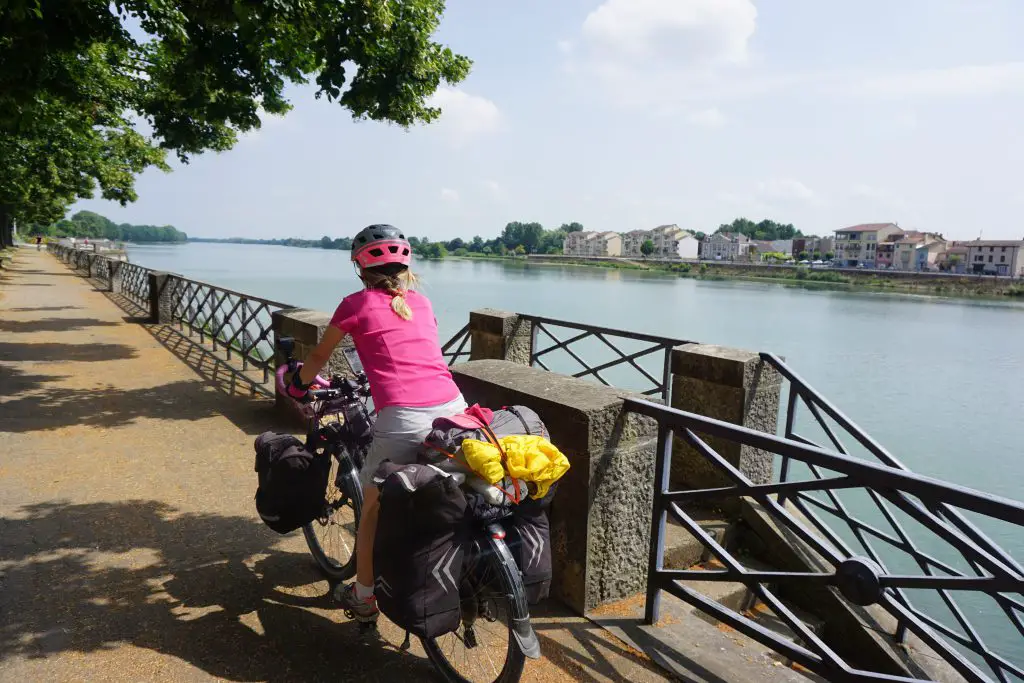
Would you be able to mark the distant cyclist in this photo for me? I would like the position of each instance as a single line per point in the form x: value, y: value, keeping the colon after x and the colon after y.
x: 395, y: 334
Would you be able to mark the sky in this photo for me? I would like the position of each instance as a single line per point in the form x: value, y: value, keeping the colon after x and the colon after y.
x: 628, y: 114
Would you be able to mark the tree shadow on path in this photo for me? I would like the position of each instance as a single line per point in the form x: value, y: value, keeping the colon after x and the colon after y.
x: 55, y: 353
x: 200, y: 587
x: 52, y: 325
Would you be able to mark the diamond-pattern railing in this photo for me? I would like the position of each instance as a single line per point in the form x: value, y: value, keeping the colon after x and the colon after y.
x: 239, y: 324
x: 457, y: 347
x: 631, y: 360
x: 910, y: 534
x: 135, y: 283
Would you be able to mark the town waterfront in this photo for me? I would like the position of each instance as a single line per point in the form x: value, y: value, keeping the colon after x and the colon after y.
x: 939, y: 382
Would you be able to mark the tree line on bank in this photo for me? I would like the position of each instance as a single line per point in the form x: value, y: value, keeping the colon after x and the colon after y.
x: 88, y: 101
x: 516, y: 239
x: 94, y: 226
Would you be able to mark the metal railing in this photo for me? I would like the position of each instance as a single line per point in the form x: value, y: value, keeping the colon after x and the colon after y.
x: 238, y: 323
x: 456, y: 347
x: 135, y: 283
x: 610, y: 356
x: 961, y: 564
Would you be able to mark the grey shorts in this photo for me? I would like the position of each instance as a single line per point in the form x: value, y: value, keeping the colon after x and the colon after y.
x: 398, y: 434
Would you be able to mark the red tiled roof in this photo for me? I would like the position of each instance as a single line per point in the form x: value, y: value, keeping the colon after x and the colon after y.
x: 869, y: 227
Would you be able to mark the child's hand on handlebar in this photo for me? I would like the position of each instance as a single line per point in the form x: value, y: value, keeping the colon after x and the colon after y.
x: 297, y: 390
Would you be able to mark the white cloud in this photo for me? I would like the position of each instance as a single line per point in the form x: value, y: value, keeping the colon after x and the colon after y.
x: 646, y: 53
x: 709, y: 118
x: 565, y: 46
x: 959, y: 81
x: 494, y: 189
x: 686, y: 31
x: 785, y: 189
x: 869, y: 195
x: 449, y: 195
x: 464, y: 116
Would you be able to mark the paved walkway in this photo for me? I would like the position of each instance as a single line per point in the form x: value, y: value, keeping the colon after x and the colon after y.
x: 129, y: 546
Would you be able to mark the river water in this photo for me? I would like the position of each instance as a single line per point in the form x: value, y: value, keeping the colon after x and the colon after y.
x: 939, y: 382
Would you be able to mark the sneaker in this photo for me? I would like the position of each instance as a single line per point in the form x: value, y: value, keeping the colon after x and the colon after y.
x: 355, y: 608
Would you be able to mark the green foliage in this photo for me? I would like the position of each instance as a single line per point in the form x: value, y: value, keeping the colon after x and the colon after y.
x: 830, y: 255
x: 703, y: 269
x: 804, y: 256
x: 90, y: 224
x: 432, y: 250
x: 647, y: 248
x: 765, y: 230
x: 774, y: 256
x: 88, y: 100
x: 571, y: 227
x: 344, y: 243
x: 462, y: 251
x: 520, y: 250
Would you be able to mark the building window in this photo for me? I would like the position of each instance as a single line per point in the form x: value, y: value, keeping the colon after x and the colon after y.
x: 1002, y: 259
x: 979, y: 257
x: 1004, y: 248
x: 991, y: 249
x: 990, y: 258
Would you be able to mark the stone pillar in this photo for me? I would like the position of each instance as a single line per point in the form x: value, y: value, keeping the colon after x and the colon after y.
x: 499, y: 335
x: 116, y: 275
x: 306, y: 327
x: 161, y: 308
x: 601, y: 514
x: 726, y: 384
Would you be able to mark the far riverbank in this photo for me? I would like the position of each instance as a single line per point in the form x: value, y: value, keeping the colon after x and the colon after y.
x: 938, y: 284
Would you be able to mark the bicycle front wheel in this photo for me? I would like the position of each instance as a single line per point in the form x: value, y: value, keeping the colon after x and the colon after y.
x: 485, y: 648
x: 332, y: 536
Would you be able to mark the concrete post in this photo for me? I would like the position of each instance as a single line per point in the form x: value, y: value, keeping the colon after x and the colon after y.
x: 306, y: 327
x: 499, y: 335
x: 161, y: 308
x: 733, y: 386
x: 116, y: 275
x: 601, y: 514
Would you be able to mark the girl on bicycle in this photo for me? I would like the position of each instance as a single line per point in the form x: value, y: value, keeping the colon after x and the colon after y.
x: 395, y: 334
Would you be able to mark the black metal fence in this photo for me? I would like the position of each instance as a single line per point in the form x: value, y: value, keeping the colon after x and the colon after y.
x: 975, y: 643
x: 135, y: 283
x: 239, y: 324
x: 631, y: 360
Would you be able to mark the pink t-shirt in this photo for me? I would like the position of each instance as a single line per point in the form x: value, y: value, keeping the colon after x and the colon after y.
x: 402, y: 358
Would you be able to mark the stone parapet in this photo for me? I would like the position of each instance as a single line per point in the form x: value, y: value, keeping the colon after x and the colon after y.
x: 601, y: 515
x: 726, y: 384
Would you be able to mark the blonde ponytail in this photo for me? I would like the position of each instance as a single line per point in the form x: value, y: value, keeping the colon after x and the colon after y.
x: 396, y: 285
x: 399, y: 305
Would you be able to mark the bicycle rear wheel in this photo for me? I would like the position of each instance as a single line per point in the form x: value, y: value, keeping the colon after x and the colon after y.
x: 485, y: 648
x: 332, y: 537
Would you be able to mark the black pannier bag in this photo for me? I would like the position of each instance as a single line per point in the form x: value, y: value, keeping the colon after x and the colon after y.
x: 528, y: 537
x: 418, y: 548
x: 292, y: 482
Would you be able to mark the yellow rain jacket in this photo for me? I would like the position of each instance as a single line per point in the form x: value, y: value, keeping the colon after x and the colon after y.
x: 530, y: 458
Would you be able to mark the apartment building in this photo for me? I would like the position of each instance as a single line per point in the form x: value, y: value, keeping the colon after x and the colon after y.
x: 995, y: 257
x: 915, y: 250
x: 576, y: 243
x: 605, y: 244
x: 858, y: 244
x: 633, y: 241
x: 726, y: 246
